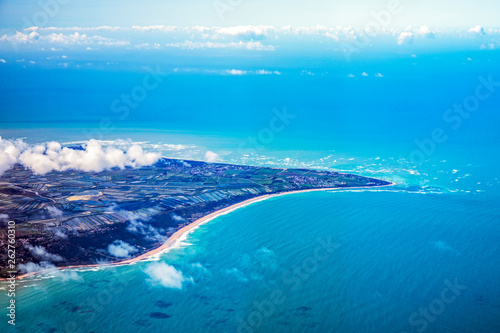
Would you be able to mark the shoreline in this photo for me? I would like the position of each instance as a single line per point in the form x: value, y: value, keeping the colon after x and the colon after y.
x: 180, y: 234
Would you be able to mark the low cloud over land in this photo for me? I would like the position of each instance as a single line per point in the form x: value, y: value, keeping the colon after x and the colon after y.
x: 121, y: 249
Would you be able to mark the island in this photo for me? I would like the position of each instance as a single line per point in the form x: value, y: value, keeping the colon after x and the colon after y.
x: 71, y: 218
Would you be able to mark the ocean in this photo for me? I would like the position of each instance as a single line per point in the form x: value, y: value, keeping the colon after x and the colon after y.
x: 421, y: 256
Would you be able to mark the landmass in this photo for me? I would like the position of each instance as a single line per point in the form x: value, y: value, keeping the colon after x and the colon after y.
x: 71, y: 218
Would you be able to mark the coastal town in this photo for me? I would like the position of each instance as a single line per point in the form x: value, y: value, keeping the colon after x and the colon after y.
x: 75, y: 215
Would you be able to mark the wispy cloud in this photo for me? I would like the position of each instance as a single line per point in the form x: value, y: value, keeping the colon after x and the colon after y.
x: 248, y: 32
x: 236, y: 72
x: 121, y: 249
x: 147, y: 230
x: 62, y: 39
x: 406, y: 37
x: 477, y: 30
x: 212, y: 157
x: 264, y: 72
x: 241, y: 45
x: 51, y: 156
x: 241, y: 37
x: 54, y: 211
x: 4, y: 218
x: 67, y: 275
x: 41, y: 253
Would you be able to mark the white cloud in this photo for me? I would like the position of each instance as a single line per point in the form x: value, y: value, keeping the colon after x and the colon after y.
x: 364, y: 74
x: 142, y: 45
x: 82, y: 39
x: 490, y: 46
x: 350, y: 75
x: 227, y: 71
x: 41, y: 253
x: 101, y: 28
x: 51, y: 156
x: 409, y: 36
x: 249, y: 32
x: 241, y: 37
x: 212, y: 157
x: 235, y: 72
x: 121, y: 249
x: 60, y: 233
x: 477, y: 30
x: 21, y: 38
x: 9, y: 153
x: 3, y: 60
x: 406, y: 38
x: 313, y: 30
x: 333, y: 36
x: 178, y: 218
x: 54, y: 211
x: 378, y: 75
x: 60, y: 38
x: 165, y: 275
x: 66, y: 275
x: 148, y: 231
x: 137, y: 227
x: 426, y: 32
x: 160, y: 28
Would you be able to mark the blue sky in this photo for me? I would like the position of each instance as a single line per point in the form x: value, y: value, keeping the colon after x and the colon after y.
x: 443, y: 13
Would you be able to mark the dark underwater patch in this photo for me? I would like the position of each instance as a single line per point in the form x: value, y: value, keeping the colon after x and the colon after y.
x: 159, y: 315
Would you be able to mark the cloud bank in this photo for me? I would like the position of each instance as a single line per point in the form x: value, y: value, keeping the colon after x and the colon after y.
x: 54, y: 212
x: 50, y: 156
x: 239, y: 38
x: 196, y: 45
x: 46, y: 265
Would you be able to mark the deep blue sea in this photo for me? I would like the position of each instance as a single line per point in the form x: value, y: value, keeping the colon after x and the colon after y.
x: 422, y: 256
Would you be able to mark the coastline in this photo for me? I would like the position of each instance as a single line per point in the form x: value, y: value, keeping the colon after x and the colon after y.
x: 180, y: 234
